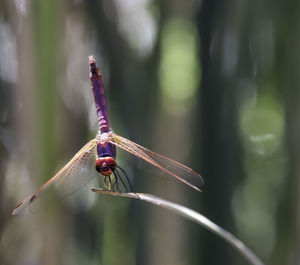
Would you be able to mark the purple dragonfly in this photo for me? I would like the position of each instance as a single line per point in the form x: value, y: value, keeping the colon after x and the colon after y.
x: 99, y: 156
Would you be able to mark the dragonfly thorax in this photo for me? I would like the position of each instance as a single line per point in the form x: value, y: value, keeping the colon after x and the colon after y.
x: 104, y: 137
x: 106, y: 165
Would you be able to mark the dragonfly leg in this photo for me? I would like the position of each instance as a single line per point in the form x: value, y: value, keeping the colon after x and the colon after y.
x: 122, y: 181
x: 104, y: 182
x: 116, y: 183
x: 127, y: 178
x: 107, y: 182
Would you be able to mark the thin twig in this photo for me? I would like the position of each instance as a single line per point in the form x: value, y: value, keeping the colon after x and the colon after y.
x: 193, y: 216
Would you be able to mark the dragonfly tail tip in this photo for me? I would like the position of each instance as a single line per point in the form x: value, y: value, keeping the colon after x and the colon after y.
x: 91, y: 59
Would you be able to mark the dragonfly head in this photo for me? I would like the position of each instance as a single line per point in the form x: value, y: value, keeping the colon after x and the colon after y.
x: 106, y: 165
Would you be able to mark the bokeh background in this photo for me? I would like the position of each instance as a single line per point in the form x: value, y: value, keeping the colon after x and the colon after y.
x: 212, y: 84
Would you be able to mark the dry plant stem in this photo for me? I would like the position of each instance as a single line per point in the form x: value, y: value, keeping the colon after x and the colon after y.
x: 193, y: 216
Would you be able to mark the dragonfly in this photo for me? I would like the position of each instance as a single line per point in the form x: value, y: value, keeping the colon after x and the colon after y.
x: 98, y: 158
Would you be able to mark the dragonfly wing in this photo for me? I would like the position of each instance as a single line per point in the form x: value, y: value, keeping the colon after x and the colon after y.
x: 74, y: 175
x: 169, y: 166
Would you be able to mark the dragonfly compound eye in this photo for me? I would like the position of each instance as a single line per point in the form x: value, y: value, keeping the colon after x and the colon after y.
x: 105, y: 165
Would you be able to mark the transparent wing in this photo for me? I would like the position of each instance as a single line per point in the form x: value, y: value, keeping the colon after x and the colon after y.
x: 74, y: 175
x: 169, y: 166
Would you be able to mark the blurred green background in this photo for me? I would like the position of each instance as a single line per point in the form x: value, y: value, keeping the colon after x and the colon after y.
x: 212, y: 84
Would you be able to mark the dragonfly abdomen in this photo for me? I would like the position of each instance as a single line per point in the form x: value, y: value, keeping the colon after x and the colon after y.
x: 98, y: 91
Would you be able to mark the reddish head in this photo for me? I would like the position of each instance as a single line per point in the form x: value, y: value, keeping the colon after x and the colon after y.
x: 106, y: 165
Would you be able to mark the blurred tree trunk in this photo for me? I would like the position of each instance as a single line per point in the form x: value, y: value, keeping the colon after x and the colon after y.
x: 6, y: 120
x: 287, y: 246
x: 219, y: 141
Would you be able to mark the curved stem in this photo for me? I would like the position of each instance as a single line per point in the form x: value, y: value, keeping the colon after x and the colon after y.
x: 193, y: 216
